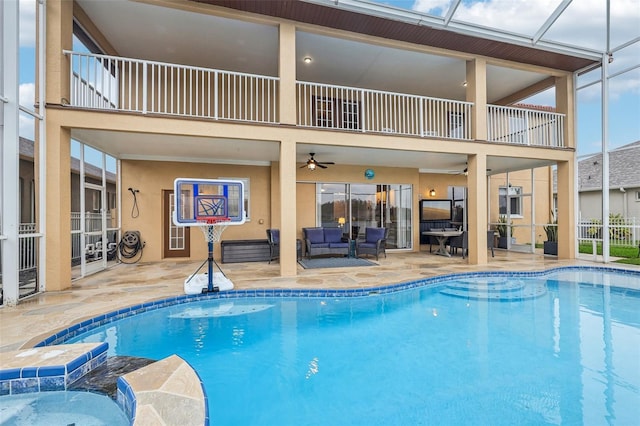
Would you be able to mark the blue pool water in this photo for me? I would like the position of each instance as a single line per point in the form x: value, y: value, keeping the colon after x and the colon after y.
x: 558, y: 349
x: 60, y: 408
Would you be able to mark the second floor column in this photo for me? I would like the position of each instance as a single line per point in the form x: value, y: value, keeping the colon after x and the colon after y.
x: 477, y: 93
x: 59, y: 37
x: 288, y: 258
x: 565, y: 104
x: 287, y: 74
x: 477, y: 201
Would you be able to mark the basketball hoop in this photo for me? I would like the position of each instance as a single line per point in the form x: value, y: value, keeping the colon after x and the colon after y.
x: 213, y: 227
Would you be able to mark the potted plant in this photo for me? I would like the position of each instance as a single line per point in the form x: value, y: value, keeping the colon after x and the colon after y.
x: 503, y: 231
x: 551, y: 229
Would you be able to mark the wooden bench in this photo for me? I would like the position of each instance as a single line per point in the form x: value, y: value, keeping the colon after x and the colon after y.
x: 236, y: 251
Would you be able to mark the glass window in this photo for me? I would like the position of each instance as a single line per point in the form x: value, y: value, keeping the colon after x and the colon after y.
x: 515, y: 200
x: 350, y: 115
x: 324, y: 112
x: 456, y: 126
x: 355, y: 207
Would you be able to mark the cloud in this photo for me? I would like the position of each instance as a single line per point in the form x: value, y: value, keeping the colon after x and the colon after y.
x: 27, y: 94
x: 27, y: 99
x: 582, y: 24
x: 27, y: 23
x: 433, y: 7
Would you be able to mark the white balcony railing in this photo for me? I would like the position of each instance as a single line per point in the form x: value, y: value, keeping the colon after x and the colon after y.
x: 362, y: 110
x: 110, y: 82
x: 123, y: 84
x: 524, y: 126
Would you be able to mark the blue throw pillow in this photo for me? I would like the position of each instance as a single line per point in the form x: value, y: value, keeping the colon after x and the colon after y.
x: 275, y: 236
x: 314, y: 235
x: 332, y: 235
x: 374, y: 234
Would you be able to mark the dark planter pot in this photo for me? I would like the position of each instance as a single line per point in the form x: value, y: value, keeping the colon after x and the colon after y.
x: 502, y: 242
x: 551, y: 247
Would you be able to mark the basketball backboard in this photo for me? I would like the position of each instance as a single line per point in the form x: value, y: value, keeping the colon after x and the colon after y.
x: 201, y: 199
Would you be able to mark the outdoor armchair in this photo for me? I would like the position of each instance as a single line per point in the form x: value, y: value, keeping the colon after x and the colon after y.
x: 375, y: 241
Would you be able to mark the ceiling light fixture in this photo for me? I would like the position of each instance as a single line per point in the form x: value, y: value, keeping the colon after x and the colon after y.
x: 307, y: 60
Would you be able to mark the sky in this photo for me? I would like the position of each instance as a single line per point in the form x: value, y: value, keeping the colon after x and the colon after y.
x: 582, y: 24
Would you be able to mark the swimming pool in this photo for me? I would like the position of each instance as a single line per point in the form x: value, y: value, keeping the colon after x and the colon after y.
x: 556, y: 348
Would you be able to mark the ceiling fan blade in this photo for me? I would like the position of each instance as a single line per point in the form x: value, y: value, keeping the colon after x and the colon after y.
x: 302, y: 167
x: 327, y: 162
x: 321, y: 165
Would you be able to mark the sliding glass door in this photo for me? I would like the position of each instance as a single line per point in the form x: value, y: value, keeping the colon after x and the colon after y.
x: 353, y: 207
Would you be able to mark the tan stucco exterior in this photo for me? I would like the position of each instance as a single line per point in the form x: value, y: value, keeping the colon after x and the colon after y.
x: 282, y: 194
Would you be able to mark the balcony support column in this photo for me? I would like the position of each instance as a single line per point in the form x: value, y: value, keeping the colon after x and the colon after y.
x: 477, y: 202
x: 288, y: 258
x: 287, y: 72
x: 566, y: 211
x: 58, y: 202
x: 477, y: 93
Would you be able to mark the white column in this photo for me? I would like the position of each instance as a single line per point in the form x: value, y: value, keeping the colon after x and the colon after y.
x: 605, y: 158
x: 9, y: 106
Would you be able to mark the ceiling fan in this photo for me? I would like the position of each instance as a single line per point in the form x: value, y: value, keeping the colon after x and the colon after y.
x: 312, y: 163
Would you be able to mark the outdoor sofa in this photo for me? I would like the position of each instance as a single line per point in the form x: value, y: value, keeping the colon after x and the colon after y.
x: 323, y: 241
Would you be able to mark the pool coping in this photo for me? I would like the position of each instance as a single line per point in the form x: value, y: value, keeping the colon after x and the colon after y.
x: 70, y: 332
x: 51, y: 368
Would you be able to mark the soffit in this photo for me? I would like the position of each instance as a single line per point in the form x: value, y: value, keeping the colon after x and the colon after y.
x: 331, y: 17
x: 198, y: 39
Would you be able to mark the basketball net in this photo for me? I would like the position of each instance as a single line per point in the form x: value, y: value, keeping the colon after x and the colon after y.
x: 213, y: 227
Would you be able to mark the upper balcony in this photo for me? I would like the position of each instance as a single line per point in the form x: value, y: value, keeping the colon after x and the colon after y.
x: 149, y: 87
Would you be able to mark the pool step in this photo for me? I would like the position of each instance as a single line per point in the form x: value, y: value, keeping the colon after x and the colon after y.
x: 500, y: 289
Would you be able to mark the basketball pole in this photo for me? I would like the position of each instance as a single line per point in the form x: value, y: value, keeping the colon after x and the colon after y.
x: 210, y: 287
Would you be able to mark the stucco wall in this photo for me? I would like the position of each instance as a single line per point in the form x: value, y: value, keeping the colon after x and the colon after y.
x: 151, y: 177
x: 542, y: 207
x: 623, y: 203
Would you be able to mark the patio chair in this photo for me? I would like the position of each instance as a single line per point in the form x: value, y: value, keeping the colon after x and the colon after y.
x: 273, y: 238
x: 459, y: 242
x: 490, y: 241
x: 462, y: 242
x: 375, y: 241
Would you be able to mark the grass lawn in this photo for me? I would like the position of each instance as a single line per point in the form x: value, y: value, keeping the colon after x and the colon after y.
x: 629, y: 253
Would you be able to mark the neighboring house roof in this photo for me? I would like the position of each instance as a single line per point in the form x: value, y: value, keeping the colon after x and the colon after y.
x: 27, y: 153
x: 624, y: 171
x: 535, y: 107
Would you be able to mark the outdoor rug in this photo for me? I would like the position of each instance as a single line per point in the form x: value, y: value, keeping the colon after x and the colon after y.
x: 334, y: 262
